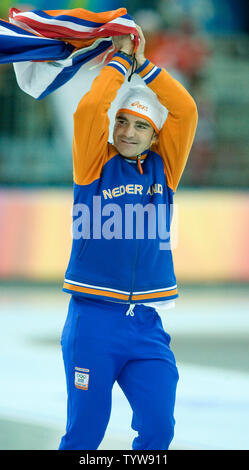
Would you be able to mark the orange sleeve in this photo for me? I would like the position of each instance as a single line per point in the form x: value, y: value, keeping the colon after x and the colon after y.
x: 177, y: 134
x: 91, y: 122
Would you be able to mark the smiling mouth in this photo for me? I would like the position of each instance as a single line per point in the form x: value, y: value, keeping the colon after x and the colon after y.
x: 125, y: 142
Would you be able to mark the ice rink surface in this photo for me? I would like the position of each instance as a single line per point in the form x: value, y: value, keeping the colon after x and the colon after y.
x: 209, y: 330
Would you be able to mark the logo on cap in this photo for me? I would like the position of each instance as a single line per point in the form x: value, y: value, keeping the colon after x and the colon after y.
x: 139, y: 105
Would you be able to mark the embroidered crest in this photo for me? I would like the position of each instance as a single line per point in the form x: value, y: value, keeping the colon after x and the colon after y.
x: 81, y: 378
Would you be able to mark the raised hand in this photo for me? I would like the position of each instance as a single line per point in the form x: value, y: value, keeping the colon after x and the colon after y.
x: 123, y: 43
x: 140, y: 50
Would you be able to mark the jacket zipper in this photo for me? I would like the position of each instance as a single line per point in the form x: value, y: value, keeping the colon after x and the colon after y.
x: 136, y: 252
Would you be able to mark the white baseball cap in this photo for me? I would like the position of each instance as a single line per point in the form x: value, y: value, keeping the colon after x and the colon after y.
x: 143, y: 102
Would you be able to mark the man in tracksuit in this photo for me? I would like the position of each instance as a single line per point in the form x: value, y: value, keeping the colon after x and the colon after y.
x: 121, y: 276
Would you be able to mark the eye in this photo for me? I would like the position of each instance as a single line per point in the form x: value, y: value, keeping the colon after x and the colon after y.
x: 141, y: 126
x: 121, y: 121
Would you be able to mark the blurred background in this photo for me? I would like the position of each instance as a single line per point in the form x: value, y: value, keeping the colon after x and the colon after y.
x: 204, y: 45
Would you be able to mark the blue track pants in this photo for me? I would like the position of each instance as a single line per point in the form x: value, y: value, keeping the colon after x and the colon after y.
x: 101, y: 344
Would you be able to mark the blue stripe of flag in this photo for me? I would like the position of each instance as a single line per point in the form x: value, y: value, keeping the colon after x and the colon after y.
x: 68, y: 72
x: 18, y: 49
x: 21, y: 48
x: 15, y: 28
x: 72, y: 19
x: 75, y: 20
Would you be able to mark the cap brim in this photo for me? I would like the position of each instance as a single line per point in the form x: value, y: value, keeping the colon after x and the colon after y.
x: 135, y: 113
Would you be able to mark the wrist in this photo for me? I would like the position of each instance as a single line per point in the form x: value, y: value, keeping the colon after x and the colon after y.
x: 140, y: 61
x: 125, y: 53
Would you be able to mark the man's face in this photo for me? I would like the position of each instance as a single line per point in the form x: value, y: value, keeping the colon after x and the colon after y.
x: 132, y: 134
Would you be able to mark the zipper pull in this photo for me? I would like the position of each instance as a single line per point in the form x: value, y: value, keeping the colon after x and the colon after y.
x: 130, y: 310
x: 139, y: 164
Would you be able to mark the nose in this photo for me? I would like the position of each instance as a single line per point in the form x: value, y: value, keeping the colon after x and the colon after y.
x: 129, y: 131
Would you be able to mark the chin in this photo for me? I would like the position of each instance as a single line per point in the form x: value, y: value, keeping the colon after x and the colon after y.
x: 128, y: 152
x: 124, y: 152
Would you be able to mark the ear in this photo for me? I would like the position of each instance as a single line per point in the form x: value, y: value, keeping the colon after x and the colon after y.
x: 154, y: 138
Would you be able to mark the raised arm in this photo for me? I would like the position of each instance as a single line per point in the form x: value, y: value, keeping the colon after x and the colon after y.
x: 177, y: 135
x: 91, y: 122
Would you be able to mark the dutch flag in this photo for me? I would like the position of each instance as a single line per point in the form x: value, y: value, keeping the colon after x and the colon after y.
x: 47, y: 48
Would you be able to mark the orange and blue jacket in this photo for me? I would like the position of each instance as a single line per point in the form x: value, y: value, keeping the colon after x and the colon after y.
x: 121, y: 266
